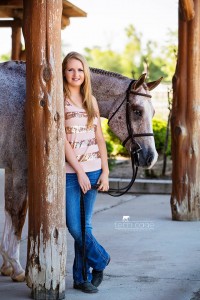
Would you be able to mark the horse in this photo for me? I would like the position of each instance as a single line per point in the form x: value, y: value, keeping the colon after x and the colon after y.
x: 111, y: 90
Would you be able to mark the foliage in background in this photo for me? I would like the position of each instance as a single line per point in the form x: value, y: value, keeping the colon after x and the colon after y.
x: 134, y: 60
x: 4, y: 57
x: 160, y: 129
x: 113, y: 144
x: 104, y: 59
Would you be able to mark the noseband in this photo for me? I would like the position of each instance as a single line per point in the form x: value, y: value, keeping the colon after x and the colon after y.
x: 135, y: 146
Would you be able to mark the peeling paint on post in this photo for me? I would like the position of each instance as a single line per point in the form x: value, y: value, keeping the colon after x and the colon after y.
x: 46, y: 257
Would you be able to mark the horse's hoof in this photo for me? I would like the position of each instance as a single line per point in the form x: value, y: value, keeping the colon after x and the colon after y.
x: 6, y: 271
x: 18, y: 278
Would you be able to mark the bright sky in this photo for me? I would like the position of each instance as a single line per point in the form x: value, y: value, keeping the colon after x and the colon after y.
x: 107, y: 19
x: 106, y: 22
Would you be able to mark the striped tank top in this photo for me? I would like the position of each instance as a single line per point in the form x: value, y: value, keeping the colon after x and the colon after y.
x: 81, y: 138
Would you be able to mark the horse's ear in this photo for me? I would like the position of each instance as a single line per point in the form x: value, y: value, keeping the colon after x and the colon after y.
x: 153, y: 84
x: 138, y: 82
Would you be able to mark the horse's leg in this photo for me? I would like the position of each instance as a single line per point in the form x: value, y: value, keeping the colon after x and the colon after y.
x: 6, y: 268
x: 16, y: 207
x: 18, y: 215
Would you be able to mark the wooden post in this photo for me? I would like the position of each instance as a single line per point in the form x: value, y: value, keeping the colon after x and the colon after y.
x: 185, y: 121
x: 46, y: 258
x: 16, y: 43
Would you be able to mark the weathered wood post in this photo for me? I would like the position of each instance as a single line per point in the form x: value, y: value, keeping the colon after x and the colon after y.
x: 46, y: 258
x: 16, y: 42
x: 185, y: 121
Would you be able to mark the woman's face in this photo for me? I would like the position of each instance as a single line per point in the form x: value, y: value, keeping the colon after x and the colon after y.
x: 74, y: 73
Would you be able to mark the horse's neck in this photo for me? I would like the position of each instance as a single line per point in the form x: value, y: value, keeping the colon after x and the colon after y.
x: 108, y: 88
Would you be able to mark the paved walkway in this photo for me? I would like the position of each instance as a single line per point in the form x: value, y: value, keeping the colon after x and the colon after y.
x: 152, y: 257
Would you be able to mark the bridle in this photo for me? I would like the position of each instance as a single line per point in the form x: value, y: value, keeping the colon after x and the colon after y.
x: 135, y: 146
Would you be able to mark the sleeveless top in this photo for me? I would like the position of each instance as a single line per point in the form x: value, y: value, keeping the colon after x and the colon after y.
x: 81, y: 138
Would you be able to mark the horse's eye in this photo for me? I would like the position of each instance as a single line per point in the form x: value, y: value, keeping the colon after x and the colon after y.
x: 138, y: 112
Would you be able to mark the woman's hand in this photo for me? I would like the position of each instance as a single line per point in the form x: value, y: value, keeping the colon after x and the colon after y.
x: 84, y: 181
x: 104, y: 182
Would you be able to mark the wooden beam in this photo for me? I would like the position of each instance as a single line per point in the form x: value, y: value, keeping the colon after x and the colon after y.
x: 12, y: 3
x: 10, y: 23
x: 6, y: 12
x: 46, y: 258
x: 16, y: 43
x: 71, y: 10
x: 65, y: 22
x: 185, y: 197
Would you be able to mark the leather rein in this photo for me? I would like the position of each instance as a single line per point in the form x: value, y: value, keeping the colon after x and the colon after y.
x: 135, y: 146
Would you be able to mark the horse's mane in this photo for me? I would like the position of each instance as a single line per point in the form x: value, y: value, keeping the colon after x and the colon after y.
x: 107, y: 73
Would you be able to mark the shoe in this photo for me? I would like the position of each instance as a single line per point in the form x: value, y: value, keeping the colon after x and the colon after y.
x: 97, y: 276
x: 86, y: 287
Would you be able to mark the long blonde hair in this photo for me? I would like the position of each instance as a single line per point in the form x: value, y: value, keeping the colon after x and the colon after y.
x: 86, y: 89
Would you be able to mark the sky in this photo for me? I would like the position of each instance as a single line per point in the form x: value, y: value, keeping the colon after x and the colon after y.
x: 107, y: 19
x: 106, y: 22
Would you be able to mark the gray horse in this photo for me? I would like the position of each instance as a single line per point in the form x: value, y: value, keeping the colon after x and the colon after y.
x: 110, y: 90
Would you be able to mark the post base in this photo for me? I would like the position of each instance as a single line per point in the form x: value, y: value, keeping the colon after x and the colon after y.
x: 44, y: 294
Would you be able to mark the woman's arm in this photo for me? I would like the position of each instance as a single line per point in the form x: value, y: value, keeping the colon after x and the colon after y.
x: 103, y: 180
x: 74, y: 163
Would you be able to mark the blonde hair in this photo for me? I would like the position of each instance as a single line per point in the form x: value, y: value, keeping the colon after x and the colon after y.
x: 86, y: 89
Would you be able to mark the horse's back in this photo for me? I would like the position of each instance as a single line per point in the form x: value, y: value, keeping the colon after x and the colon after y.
x: 12, y: 100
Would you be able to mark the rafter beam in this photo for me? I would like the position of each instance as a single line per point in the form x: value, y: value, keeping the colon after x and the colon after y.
x: 11, y: 23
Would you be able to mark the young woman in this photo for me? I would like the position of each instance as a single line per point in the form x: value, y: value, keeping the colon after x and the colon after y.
x: 86, y: 165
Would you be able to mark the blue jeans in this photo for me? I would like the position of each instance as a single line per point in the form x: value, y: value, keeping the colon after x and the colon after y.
x: 96, y: 256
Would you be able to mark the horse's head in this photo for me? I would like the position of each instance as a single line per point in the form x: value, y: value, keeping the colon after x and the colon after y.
x: 131, y: 121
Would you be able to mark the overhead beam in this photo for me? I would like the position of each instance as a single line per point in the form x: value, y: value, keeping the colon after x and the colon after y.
x: 11, y: 23
x: 12, y: 3
x: 7, y: 12
x: 71, y: 10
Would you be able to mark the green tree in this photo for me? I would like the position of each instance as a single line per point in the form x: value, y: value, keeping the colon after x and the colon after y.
x: 131, y: 55
x: 4, y: 57
x: 125, y: 63
x: 133, y: 60
x: 104, y: 59
x: 151, y: 63
x: 170, y: 54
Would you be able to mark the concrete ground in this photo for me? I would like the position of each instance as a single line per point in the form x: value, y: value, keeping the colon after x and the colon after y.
x: 152, y: 257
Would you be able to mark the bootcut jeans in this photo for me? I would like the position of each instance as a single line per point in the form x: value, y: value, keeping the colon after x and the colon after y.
x: 96, y: 256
